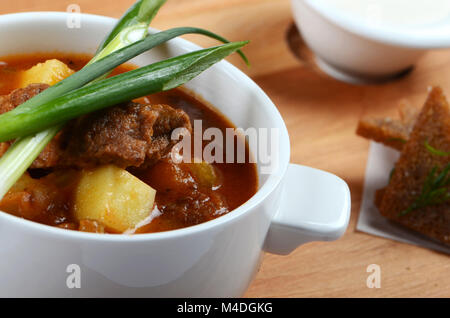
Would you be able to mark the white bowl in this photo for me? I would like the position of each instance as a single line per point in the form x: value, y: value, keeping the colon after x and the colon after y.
x: 214, y: 259
x: 350, y: 49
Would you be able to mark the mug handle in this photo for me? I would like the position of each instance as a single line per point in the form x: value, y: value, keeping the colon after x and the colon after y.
x: 315, y: 206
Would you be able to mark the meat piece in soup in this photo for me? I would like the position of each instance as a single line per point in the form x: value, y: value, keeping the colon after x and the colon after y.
x: 51, y: 154
x: 129, y: 135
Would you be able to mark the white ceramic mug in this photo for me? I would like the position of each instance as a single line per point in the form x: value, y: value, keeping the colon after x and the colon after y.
x: 350, y: 49
x: 293, y: 205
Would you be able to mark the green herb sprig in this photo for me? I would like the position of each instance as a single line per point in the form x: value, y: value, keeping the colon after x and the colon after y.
x: 395, y: 139
x: 435, y: 190
x: 435, y: 151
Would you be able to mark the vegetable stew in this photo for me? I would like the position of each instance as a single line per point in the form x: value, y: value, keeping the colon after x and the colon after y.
x: 120, y: 178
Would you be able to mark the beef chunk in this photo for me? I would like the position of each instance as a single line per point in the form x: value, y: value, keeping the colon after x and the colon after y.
x: 50, y: 155
x: 20, y: 96
x: 127, y: 135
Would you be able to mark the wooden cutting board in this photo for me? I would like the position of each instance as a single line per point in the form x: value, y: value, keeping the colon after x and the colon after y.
x: 321, y: 115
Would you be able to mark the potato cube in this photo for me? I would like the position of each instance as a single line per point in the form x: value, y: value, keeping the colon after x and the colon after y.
x: 113, y: 197
x: 50, y: 72
x: 204, y: 173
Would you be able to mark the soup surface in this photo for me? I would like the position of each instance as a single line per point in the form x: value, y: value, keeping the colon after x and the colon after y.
x: 183, y: 197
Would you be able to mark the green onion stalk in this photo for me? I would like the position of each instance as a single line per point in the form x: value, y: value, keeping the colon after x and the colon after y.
x: 156, y: 77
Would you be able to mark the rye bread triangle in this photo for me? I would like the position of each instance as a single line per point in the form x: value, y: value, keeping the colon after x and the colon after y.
x: 415, y: 167
x: 392, y: 132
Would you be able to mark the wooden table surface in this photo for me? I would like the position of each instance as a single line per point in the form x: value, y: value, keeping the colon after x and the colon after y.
x: 321, y: 115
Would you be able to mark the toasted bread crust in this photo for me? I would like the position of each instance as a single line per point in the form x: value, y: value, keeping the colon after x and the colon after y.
x: 387, y: 131
x: 413, y: 167
x: 379, y: 195
x: 391, y: 132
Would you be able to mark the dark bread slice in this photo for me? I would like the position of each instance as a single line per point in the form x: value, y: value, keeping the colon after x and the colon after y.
x: 379, y: 195
x: 415, y: 164
x: 391, y: 132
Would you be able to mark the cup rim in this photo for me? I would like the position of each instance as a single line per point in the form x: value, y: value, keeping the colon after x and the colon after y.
x: 272, y: 182
x: 429, y: 37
